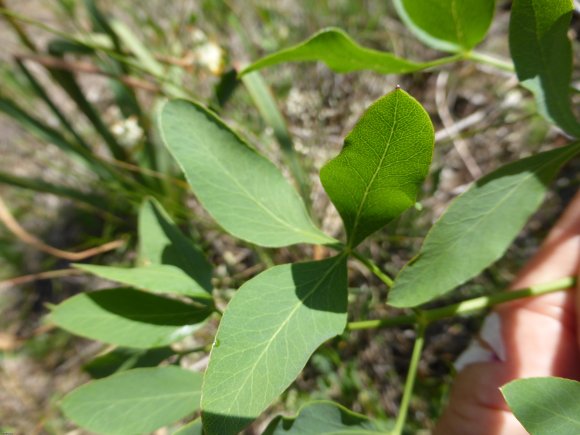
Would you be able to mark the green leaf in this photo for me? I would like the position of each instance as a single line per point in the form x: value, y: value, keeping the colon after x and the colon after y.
x: 136, y: 401
x: 127, y: 317
x: 38, y: 185
x: 193, y: 428
x: 266, y: 105
x: 158, y: 278
x: 542, y: 56
x: 447, y: 25
x: 244, y: 192
x: 385, y: 158
x: 478, y: 227
x: 121, y: 359
x: 323, y: 418
x: 44, y: 132
x: 341, y: 54
x: 545, y: 406
x: 269, y: 330
x: 161, y: 242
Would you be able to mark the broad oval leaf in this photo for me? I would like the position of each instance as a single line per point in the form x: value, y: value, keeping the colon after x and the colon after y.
x: 447, y: 25
x: 324, y: 418
x: 121, y: 359
x: 545, y: 406
x: 542, y: 56
x: 160, y: 278
x: 162, y: 242
x: 341, y: 54
x: 385, y: 158
x: 477, y: 227
x: 127, y: 317
x: 271, y: 327
x: 244, y: 192
x: 136, y: 401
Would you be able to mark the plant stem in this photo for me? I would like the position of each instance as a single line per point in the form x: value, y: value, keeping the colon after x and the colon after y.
x: 489, y: 60
x: 411, y: 375
x: 465, y: 307
x: 370, y: 265
x: 444, y: 60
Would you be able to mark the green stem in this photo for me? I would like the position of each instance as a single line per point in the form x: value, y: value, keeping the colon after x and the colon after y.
x: 410, y: 381
x: 489, y: 60
x: 370, y: 265
x: 465, y: 307
x: 444, y: 60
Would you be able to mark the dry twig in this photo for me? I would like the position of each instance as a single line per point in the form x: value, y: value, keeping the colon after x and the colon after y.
x: 449, y: 124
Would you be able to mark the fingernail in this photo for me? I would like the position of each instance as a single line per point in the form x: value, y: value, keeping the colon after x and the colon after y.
x: 491, y: 334
x: 487, y: 347
x: 475, y: 353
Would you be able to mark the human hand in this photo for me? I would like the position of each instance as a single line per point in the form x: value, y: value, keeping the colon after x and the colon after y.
x: 527, y: 338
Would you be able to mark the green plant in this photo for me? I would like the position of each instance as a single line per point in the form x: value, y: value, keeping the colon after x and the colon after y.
x: 276, y: 320
x: 117, y: 158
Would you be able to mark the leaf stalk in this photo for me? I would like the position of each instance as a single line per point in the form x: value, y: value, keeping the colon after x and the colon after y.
x: 411, y: 375
x: 370, y: 265
x: 487, y: 59
x: 465, y: 307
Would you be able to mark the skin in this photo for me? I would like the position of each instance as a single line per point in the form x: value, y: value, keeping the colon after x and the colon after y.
x: 541, y: 337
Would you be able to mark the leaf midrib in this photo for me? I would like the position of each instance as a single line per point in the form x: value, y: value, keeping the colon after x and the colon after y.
x: 375, y: 173
x: 269, y: 342
x: 551, y: 412
x: 260, y: 204
x: 505, y: 198
x: 457, y: 24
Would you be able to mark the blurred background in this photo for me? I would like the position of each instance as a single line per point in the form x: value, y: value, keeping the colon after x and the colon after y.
x: 80, y: 82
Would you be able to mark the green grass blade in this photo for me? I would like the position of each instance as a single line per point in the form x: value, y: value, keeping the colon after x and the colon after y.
x: 37, y: 185
x: 146, y: 59
x: 40, y: 92
x: 69, y: 84
x: 125, y: 96
x: 45, y: 132
x: 264, y: 101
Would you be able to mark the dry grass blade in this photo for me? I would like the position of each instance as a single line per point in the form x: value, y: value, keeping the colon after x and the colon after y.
x: 16, y: 229
x: 87, y: 68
